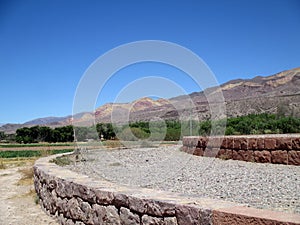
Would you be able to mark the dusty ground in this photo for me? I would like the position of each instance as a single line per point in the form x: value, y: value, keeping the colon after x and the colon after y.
x: 17, y: 197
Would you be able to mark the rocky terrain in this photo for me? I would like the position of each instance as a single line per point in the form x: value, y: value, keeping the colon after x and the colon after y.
x: 258, y: 185
x: 279, y: 93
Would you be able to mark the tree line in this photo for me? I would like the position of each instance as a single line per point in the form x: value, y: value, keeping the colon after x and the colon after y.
x: 255, y: 124
x: 44, y: 134
x: 171, y: 130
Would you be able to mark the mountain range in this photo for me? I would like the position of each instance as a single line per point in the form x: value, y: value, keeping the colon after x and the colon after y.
x: 278, y: 93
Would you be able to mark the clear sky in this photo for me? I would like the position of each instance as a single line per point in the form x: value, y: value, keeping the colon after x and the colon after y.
x: 46, y: 45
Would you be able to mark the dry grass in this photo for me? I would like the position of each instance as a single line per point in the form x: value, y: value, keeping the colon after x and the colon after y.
x: 113, y: 144
x: 2, y: 165
x: 27, y: 176
x: 16, y: 162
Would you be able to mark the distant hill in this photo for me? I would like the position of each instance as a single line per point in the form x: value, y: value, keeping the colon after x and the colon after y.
x: 278, y: 93
x: 47, y: 120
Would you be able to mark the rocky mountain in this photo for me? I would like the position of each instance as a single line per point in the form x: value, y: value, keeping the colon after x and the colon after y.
x: 278, y: 93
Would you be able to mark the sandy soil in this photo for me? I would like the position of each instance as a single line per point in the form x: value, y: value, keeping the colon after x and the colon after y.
x: 17, y: 204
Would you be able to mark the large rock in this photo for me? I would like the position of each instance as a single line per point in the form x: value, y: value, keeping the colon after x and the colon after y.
x: 127, y: 217
x: 170, y: 221
x: 149, y: 220
x: 105, y: 215
x: 187, y: 215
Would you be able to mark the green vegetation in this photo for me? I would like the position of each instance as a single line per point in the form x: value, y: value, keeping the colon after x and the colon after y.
x: 106, y: 131
x: 35, y: 145
x: 170, y: 130
x: 256, y: 124
x: 62, y: 161
x: 31, y: 153
x: 44, y: 134
x: 2, y: 135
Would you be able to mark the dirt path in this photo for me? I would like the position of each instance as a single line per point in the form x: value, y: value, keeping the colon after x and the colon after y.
x: 17, y: 205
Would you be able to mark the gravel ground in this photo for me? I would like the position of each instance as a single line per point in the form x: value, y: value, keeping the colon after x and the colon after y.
x: 259, y: 185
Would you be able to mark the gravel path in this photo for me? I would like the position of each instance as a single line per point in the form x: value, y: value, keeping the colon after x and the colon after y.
x: 270, y: 186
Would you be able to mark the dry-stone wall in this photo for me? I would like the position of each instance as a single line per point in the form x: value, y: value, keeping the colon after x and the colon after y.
x: 77, y: 199
x: 280, y: 149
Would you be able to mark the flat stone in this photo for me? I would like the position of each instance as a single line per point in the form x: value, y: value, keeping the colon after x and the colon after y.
x: 284, y: 143
x: 252, y: 143
x: 84, y: 192
x: 294, y: 158
x: 224, y: 154
x: 103, y: 197
x: 270, y: 143
x: 230, y: 143
x: 243, y: 155
x: 262, y: 156
x: 224, y: 144
x: 260, y: 144
x: 295, y: 143
x: 214, y: 142
x: 120, y: 200
x: 279, y: 157
x: 237, y: 143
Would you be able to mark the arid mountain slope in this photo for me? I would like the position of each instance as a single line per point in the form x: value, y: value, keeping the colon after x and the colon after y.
x: 279, y: 93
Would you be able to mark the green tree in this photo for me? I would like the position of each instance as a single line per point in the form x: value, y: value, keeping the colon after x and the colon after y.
x: 2, y: 135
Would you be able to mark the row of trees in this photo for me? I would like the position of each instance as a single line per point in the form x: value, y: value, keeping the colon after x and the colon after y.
x: 255, y: 124
x: 161, y: 130
x: 169, y: 130
x: 44, y: 134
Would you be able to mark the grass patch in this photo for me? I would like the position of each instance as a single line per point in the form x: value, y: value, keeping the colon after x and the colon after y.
x: 31, y: 153
x: 112, y: 144
x: 2, y: 165
x: 27, y: 176
x: 62, y: 161
x: 35, y: 145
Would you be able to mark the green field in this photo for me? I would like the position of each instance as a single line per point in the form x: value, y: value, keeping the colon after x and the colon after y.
x: 35, y: 145
x: 31, y: 153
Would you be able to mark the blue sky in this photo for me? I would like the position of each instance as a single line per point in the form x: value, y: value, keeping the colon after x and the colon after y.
x: 46, y: 46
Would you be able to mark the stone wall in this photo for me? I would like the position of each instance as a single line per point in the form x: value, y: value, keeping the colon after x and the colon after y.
x: 77, y: 199
x: 280, y: 149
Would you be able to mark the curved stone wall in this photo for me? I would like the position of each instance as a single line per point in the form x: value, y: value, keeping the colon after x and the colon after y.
x: 280, y: 149
x: 77, y: 199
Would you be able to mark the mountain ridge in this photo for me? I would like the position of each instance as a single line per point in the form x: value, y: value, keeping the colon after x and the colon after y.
x: 272, y: 93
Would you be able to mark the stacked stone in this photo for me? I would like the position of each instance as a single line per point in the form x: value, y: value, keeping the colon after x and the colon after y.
x: 278, y: 149
x: 73, y: 203
x: 76, y: 199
